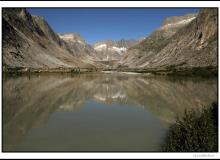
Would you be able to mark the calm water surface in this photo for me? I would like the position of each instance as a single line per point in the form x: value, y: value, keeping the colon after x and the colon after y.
x: 96, y: 112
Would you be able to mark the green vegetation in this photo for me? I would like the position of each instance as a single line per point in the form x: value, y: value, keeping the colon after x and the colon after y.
x: 175, y: 70
x: 195, y: 132
x: 25, y: 70
x: 195, y: 71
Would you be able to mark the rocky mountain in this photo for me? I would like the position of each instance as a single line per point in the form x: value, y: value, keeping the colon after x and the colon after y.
x: 182, y: 42
x: 80, y: 49
x: 28, y: 41
x: 186, y: 42
x: 151, y: 45
x: 77, y: 44
x: 112, y: 50
x: 195, y: 45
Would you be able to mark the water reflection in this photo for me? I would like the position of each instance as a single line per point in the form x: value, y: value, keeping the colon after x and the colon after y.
x: 32, y: 105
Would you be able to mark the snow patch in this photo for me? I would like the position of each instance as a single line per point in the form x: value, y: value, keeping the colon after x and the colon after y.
x: 185, y: 21
x: 100, y: 47
x: 119, y: 50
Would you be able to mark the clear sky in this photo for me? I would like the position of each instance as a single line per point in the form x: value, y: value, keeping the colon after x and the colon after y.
x: 108, y: 24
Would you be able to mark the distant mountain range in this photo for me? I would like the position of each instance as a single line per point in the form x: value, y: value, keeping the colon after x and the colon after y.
x: 113, y: 50
x: 181, y: 42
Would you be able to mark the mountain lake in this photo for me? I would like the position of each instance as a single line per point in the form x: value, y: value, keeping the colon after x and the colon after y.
x: 97, y: 111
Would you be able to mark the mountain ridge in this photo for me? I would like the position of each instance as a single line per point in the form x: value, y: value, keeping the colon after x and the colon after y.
x: 191, y: 48
x: 181, y: 42
x: 28, y: 41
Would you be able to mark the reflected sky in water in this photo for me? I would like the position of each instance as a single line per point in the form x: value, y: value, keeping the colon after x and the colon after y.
x: 96, y: 112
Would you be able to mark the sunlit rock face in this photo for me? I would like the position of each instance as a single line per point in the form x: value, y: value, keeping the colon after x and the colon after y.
x: 77, y: 44
x: 28, y: 41
x: 150, y: 46
x: 32, y: 100
x: 72, y: 37
x: 178, y: 21
x: 182, y: 42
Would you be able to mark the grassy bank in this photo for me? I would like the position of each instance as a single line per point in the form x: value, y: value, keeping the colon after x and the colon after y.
x: 195, y: 132
x: 195, y: 71
x: 208, y: 71
x: 25, y: 70
x: 169, y: 71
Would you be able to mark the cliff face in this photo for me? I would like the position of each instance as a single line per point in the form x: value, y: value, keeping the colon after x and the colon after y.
x: 191, y: 42
x: 28, y: 41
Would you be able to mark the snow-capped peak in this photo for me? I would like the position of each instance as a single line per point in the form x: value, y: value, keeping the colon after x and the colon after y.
x: 103, y: 47
x: 119, y: 49
x: 100, y: 47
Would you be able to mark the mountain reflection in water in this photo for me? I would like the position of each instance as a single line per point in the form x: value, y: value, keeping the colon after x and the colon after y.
x: 96, y: 112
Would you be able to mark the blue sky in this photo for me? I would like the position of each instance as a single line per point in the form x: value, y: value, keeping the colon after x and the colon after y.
x: 108, y: 24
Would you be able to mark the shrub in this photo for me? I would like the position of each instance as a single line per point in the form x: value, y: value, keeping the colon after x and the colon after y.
x: 195, y: 132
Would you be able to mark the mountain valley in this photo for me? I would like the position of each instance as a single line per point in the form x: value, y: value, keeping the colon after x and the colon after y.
x: 76, y: 79
x: 183, y: 43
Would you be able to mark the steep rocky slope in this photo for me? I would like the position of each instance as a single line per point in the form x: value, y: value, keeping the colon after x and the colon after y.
x: 181, y: 43
x: 28, y: 41
x: 80, y: 49
x: 192, y: 45
x: 77, y: 44
x: 151, y: 45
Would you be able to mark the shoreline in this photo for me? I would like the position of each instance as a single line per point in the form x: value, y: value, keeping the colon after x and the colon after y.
x: 193, y: 71
x: 25, y: 70
x: 169, y: 71
x: 124, y: 72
